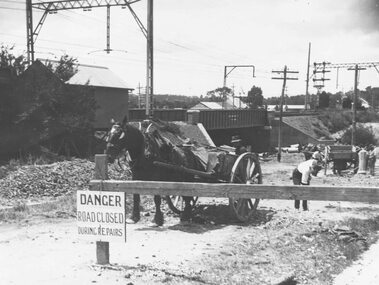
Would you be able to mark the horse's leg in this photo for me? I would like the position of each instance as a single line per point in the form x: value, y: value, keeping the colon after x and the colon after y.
x: 158, y: 218
x: 136, y: 205
x: 187, y: 213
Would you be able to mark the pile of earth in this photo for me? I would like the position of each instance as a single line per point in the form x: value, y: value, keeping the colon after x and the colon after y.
x: 33, y: 182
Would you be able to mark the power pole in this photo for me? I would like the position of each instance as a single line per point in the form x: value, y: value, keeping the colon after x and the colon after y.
x: 149, y: 61
x: 30, y: 35
x: 307, y: 82
x: 323, y: 71
x: 52, y: 7
x: 284, y: 78
x: 350, y: 66
x: 139, y: 95
x: 354, y: 119
x: 226, y: 73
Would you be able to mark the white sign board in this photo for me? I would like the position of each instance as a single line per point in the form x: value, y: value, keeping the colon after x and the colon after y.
x: 101, y: 215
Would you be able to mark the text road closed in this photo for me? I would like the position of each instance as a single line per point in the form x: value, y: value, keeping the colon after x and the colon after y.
x: 101, y: 215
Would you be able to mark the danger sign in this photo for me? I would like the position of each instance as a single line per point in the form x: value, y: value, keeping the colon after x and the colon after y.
x: 101, y: 215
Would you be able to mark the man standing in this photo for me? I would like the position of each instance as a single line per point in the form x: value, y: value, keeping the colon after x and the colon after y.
x: 301, y: 175
x: 237, y: 144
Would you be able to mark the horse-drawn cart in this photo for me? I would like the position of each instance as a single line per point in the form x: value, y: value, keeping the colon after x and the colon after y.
x: 224, y: 167
x: 159, y: 152
x: 343, y: 157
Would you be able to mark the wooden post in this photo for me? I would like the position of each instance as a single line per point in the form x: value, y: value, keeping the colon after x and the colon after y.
x: 101, y: 172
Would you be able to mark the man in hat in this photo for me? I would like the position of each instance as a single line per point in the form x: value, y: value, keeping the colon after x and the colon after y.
x: 301, y: 175
x: 237, y: 144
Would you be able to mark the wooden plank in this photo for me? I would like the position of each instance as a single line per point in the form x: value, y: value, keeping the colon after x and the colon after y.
x: 101, y: 166
x: 227, y: 190
x: 101, y: 172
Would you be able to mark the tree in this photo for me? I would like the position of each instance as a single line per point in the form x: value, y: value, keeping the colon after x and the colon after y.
x: 219, y: 94
x: 346, y: 102
x: 64, y: 68
x: 47, y: 111
x: 17, y: 64
x: 324, y: 100
x: 255, y: 97
x: 67, y: 111
x: 363, y: 136
x: 11, y: 66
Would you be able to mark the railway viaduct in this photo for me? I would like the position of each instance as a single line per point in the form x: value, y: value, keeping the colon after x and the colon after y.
x: 251, y: 125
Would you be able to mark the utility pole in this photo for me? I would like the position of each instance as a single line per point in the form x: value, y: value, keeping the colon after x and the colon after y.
x: 233, y: 95
x: 52, y: 7
x: 349, y: 66
x: 323, y: 71
x: 226, y: 73
x: 307, y: 82
x: 139, y: 95
x: 149, y: 61
x: 284, y: 78
x: 355, y: 100
x: 30, y: 35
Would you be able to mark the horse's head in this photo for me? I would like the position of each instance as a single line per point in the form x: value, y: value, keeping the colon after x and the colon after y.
x: 116, y: 141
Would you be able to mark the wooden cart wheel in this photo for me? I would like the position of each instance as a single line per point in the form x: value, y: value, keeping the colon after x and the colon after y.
x: 246, y: 170
x: 176, y: 203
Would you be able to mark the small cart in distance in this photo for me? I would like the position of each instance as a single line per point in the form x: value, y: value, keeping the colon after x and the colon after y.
x: 343, y: 158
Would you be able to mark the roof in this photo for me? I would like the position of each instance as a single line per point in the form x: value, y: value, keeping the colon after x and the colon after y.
x: 229, y: 103
x: 98, y: 76
x: 207, y: 105
x: 286, y: 107
x: 235, y: 102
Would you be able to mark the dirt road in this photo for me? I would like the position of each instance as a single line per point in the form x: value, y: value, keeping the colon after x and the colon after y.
x: 279, y: 243
x: 43, y: 251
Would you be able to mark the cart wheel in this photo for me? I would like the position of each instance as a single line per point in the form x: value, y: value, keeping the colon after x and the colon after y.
x: 176, y: 203
x: 246, y: 170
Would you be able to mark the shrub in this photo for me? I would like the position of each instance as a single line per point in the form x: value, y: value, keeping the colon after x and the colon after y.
x: 340, y: 120
x: 363, y: 136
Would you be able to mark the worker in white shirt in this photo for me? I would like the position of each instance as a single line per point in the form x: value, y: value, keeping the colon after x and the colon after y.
x: 301, y: 175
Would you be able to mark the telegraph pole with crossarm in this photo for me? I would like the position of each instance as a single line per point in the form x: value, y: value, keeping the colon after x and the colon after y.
x: 321, y: 68
x: 284, y: 78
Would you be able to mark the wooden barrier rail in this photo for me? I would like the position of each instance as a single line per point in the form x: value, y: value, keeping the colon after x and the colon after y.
x: 223, y: 190
x: 228, y: 190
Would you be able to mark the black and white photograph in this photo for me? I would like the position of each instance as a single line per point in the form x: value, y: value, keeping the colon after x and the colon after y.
x: 189, y: 142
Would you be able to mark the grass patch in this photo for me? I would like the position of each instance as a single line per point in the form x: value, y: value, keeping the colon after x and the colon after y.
x: 62, y: 207
x: 299, y: 250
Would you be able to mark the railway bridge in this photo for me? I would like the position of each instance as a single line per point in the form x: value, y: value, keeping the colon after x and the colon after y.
x: 251, y: 125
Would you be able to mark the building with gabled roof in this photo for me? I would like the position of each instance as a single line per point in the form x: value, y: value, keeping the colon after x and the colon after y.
x: 111, y: 92
x: 97, y: 76
x: 207, y: 106
x: 229, y: 103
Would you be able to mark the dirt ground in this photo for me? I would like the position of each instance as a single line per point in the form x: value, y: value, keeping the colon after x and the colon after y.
x: 279, y: 243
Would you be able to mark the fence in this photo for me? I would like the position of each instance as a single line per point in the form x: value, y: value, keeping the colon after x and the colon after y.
x: 223, y: 190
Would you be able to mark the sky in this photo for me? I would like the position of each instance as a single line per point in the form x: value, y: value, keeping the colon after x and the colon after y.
x: 195, y: 39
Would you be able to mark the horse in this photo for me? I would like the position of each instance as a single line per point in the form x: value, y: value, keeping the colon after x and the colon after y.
x: 144, y: 148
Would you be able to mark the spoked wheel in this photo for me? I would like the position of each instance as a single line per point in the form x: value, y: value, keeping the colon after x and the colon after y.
x: 176, y: 203
x: 246, y: 170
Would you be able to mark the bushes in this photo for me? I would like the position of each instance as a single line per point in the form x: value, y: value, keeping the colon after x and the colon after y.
x: 337, y: 120
x: 39, y: 109
x: 363, y: 136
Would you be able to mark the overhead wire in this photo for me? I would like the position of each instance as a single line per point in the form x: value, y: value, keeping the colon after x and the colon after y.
x: 199, y: 49
x: 202, y: 53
